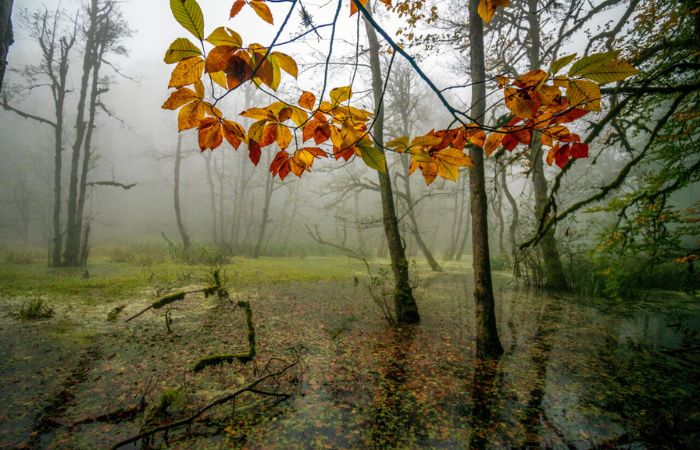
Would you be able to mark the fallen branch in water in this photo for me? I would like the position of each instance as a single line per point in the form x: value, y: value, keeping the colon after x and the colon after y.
x: 173, y: 297
x: 252, y: 387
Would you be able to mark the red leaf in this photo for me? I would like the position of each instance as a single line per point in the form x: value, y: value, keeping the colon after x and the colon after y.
x: 254, y: 151
x: 562, y: 156
x: 579, y: 150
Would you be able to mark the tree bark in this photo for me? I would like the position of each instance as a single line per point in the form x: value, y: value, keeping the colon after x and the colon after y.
x: 176, y: 197
x: 553, y: 268
x: 212, y: 198
x: 487, y: 341
x: 405, y: 306
x: 6, y: 35
x: 513, y: 223
x: 269, y: 182
x: 72, y: 250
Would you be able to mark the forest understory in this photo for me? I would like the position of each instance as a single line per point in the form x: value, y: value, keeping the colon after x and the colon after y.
x: 577, y: 372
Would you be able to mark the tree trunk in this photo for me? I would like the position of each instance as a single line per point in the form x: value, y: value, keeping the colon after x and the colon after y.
x: 487, y: 342
x: 176, y: 197
x: 269, y: 182
x: 72, y: 250
x: 87, y: 152
x: 553, y: 268
x: 405, y: 306
x: 6, y: 35
x: 513, y: 224
x: 462, y: 245
x: 212, y: 197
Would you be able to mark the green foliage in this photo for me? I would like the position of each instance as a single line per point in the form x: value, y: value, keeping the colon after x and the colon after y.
x: 500, y: 261
x: 35, y: 308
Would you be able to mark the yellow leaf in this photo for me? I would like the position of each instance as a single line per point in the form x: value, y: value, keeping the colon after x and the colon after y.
x: 220, y: 58
x: 179, y: 98
x: 454, y: 157
x: 561, y: 81
x: 189, y: 15
x: 286, y: 63
x: 190, y: 115
x: 225, y: 36
x: 180, y: 49
x: 487, y: 8
x: 261, y: 10
x: 340, y: 94
x: 584, y: 94
x: 400, y: 144
x: 419, y: 156
x: 259, y: 114
x: 209, y: 134
x: 187, y: 72
x: 284, y: 136
x: 426, y: 141
x: 519, y: 103
x: 199, y: 89
x: 234, y: 133
x: 219, y: 78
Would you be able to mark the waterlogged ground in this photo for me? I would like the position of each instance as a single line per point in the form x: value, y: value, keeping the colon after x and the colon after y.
x: 577, y: 373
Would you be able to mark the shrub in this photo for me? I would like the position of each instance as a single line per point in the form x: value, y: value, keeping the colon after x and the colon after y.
x: 35, y: 308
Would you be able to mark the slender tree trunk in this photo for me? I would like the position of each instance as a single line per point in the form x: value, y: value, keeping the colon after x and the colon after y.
x: 462, y: 245
x: 405, y: 306
x: 553, y: 268
x: 434, y: 266
x: 360, y: 232
x: 176, y: 197
x: 269, y: 183
x: 72, y: 250
x: 487, y: 342
x: 57, y: 246
x: 87, y: 153
x: 498, y: 211
x: 6, y: 35
x: 212, y: 197
x: 513, y: 223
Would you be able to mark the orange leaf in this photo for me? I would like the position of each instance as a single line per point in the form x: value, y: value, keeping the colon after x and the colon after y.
x: 262, y: 10
x: 220, y: 58
x: 236, y: 8
x: 307, y: 100
x: 493, y: 141
x: 209, y: 135
x: 234, y: 133
x: 280, y: 165
x: 187, y: 72
x: 179, y: 98
x: 353, y: 6
x: 487, y: 9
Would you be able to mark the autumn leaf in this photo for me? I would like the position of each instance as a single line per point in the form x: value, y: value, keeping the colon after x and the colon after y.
x: 225, y: 36
x: 258, y: 114
x: 531, y: 79
x: 520, y: 103
x: 233, y: 133
x: 262, y: 10
x: 280, y: 165
x: 340, y: 94
x: 560, y: 63
x: 254, y: 152
x: 187, y: 72
x: 353, y: 6
x: 180, y: 97
x: 284, y: 136
x: 579, y: 150
x: 180, y: 49
x: 400, y: 144
x: 236, y: 8
x: 307, y: 100
x: 219, y: 58
x: 286, y: 63
x: 189, y: 15
x: 426, y: 141
x: 584, y: 94
x: 190, y: 115
x: 209, y: 134
x: 487, y: 8
x: 493, y: 141
x: 219, y: 78
x: 448, y: 162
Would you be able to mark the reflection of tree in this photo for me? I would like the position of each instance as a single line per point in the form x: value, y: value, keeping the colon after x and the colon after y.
x: 484, y: 399
x: 394, y: 418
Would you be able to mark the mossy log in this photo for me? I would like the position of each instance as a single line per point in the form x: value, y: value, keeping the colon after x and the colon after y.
x: 243, y: 358
x: 174, y: 297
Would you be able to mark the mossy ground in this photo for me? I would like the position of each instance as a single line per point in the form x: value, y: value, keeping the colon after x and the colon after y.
x: 576, y: 372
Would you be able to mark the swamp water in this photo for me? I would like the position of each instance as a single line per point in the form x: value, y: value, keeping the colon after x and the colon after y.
x: 577, y: 373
